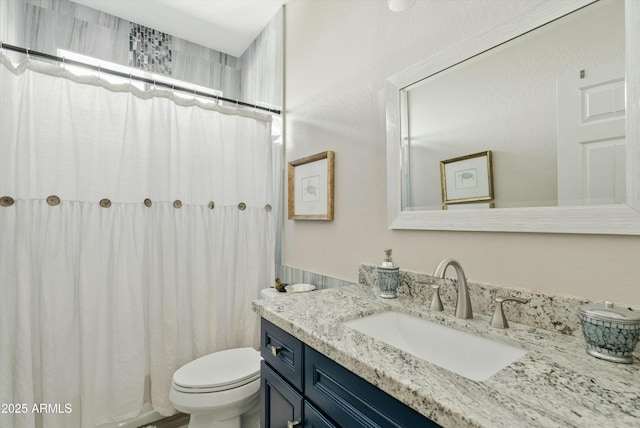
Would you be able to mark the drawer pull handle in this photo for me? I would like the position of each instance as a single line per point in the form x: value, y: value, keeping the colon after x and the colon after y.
x: 293, y: 424
x: 275, y: 350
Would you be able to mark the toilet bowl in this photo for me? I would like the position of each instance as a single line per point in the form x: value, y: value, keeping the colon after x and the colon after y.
x: 220, y: 390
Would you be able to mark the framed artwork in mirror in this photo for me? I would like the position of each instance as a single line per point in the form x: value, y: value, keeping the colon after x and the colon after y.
x: 310, y: 185
x: 467, y: 178
x: 469, y: 206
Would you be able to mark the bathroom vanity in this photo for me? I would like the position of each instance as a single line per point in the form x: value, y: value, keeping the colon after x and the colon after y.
x: 318, y: 370
x: 302, y: 387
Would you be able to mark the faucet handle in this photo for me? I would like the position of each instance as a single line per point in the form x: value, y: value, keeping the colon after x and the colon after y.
x: 499, y: 320
x: 436, y: 303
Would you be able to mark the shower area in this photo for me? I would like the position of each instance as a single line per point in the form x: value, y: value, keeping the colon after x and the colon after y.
x: 137, y: 223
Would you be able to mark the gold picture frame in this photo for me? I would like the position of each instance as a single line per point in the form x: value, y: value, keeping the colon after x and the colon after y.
x: 467, y: 178
x: 310, y: 187
x: 469, y: 206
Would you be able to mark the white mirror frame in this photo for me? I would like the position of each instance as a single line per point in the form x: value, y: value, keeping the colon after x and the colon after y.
x: 596, y: 219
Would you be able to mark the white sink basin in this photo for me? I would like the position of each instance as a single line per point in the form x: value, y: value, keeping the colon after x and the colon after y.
x: 474, y: 357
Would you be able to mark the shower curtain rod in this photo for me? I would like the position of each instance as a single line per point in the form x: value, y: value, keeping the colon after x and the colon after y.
x: 63, y: 60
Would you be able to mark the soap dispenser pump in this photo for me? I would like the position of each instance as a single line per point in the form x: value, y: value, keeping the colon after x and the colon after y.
x: 388, y: 276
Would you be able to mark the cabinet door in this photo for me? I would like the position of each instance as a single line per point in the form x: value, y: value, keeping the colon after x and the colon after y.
x: 281, y: 405
x: 351, y: 401
x: 314, y: 419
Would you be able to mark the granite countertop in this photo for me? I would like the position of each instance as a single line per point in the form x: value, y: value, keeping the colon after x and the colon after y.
x: 556, y: 384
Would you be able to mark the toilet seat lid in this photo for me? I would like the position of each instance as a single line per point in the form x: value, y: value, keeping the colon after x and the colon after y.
x: 226, y: 368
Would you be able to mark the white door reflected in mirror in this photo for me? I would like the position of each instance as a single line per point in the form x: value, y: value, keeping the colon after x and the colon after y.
x: 591, y: 136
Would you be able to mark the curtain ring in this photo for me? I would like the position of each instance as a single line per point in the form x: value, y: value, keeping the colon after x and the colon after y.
x: 28, y: 57
x: 99, y: 71
x: 130, y: 80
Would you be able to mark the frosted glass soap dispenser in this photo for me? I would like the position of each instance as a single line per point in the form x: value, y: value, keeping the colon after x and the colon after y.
x: 388, y: 276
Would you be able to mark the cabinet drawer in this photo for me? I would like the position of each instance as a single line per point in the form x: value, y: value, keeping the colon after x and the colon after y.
x: 283, y: 352
x: 351, y: 401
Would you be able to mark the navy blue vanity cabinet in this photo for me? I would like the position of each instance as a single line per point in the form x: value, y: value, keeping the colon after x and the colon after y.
x: 281, y: 371
x: 352, y: 401
x: 303, y: 388
x: 283, y: 352
x: 313, y: 418
x: 281, y: 404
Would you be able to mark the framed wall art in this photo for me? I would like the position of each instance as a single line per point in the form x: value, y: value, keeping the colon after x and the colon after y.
x: 467, y: 178
x: 311, y: 187
x: 468, y: 206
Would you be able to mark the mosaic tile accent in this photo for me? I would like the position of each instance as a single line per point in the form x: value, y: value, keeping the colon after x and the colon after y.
x: 150, y: 50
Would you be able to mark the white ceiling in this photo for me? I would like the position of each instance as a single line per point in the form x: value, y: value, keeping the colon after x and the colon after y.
x: 228, y: 26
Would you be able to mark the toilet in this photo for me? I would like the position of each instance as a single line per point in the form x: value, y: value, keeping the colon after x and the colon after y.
x: 267, y: 293
x: 220, y: 390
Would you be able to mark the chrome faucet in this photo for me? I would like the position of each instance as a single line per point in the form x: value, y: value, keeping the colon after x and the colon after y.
x: 463, y: 303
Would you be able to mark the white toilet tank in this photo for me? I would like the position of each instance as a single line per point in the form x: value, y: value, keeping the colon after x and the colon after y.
x: 265, y: 293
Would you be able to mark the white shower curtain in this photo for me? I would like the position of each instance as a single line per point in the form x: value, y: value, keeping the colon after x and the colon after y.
x: 100, y: 305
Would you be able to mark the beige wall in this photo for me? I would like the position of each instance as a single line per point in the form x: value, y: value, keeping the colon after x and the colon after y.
x: 337, y: 56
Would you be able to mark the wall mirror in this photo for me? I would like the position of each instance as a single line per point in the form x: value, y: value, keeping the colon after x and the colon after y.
x: 553, y: 96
